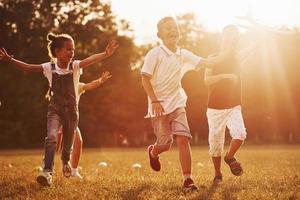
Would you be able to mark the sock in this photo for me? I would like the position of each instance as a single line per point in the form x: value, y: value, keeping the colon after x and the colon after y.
x: 74, y: 170
x: 186, y: 176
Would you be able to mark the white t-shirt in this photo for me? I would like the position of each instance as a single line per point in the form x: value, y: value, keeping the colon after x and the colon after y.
x: 77, y: 71
x: 166, y: 70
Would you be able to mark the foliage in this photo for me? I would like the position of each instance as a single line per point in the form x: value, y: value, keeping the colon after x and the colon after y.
x: 116, y: 110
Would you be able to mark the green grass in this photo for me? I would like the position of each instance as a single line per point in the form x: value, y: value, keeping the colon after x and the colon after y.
x: 271, y: 172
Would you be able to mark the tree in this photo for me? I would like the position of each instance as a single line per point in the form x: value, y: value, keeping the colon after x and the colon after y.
x: 25, y: 25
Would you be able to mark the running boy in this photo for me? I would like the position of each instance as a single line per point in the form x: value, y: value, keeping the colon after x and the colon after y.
x: 224, y: 105
x: 63, y: 76
x: 163, y: 69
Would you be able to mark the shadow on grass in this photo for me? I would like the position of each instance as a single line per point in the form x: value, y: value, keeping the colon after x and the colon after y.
x: 133, y: 193
x: 227, y: 192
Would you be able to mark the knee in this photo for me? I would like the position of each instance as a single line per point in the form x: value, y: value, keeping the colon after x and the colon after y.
x: 240, y: 136
x: 215, y: 147
x: 165, y: 142
x: 182, y: 140
x: 215, y: 151
x: 51, y: 137
x: 51, y: 140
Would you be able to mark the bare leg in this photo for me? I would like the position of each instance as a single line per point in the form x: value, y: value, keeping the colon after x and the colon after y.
x: 217, y: 165
x: 77, y: 149
x: 235, y: 144
x: 184, y: 154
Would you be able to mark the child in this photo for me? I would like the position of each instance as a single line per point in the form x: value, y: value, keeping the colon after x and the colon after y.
x: 77, y: 144
x: 224, y: 105
x: 163, y: 68
x: 63, y: 77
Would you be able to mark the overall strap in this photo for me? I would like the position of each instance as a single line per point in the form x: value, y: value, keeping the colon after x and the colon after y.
x: 49, y: 92
x: 71, y: 66
x: 52, y: 66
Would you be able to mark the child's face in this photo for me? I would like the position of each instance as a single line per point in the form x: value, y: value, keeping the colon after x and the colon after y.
x: 169, y: 32
x: 230, y: 37
x: 66, y: 53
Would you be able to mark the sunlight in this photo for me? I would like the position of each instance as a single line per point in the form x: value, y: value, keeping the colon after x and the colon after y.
x: 213, y: 14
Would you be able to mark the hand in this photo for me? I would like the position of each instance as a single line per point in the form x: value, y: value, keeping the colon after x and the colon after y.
x: 104, y: 77
x: 4, y: 55
x: 111, y: 48
x: 231, y: 77
x: 157, y: 109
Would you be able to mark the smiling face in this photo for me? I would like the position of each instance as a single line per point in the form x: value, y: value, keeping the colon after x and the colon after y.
x: 66, y: 53
x: 168, y: 32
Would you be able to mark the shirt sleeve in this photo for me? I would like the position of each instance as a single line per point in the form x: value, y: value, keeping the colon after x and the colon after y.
x: 150, y: 63
x: 190, y: 61
x: 47, y: 70
x: 76, y: 66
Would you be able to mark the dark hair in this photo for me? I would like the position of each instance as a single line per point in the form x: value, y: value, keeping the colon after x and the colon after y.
x: 56, y: 42
x: 230, y: 28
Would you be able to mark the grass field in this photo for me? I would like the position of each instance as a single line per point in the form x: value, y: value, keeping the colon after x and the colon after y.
x: 271, y: 172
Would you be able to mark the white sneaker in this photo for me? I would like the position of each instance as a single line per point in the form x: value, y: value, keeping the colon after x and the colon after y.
x: 75, y: 173
x: 45, y: 179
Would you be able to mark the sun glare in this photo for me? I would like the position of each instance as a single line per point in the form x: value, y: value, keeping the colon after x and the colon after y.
x: 213, y: 14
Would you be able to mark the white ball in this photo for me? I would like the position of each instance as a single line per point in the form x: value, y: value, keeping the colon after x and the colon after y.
x: 136, y: 166
x: 102, y: 164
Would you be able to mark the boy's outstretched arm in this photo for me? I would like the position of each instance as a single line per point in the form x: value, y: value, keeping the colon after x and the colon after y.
x: 96, y: 83
x: 210, y: 79
x: 21, y: 65
x: 109, y: 50
x: 212, y: 61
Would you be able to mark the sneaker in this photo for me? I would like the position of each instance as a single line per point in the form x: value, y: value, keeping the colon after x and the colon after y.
x: 45, y: 179
x: 189, y: 184
x: 67, y: 171
x: 217, y: 180
x: 154, y: 162
x: 75, y: 173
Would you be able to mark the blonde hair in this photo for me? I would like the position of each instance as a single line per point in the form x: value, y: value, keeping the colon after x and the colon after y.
x: 162, y: 21
x: 56, y: 42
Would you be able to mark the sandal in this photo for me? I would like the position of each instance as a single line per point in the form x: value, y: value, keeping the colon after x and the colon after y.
x: 235, y: 167
x: 218, y: 179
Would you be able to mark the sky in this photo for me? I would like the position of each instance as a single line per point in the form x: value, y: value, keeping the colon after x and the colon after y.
x: 213, y: 14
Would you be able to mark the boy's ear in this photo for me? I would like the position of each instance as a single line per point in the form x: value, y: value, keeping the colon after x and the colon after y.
x: 158, y: 35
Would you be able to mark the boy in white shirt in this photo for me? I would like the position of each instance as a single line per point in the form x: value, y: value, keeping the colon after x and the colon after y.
x: 163, y: 69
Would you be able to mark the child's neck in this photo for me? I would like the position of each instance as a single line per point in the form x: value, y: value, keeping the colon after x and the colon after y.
x: 62, y: 64
x: 172, y: 47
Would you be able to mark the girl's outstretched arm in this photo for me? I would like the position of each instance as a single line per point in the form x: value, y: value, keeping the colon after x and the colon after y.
x: 21, y: 65
x: 109, y: 50
x: 96, y: 83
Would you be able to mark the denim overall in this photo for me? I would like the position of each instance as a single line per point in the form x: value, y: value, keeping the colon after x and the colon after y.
x: 62, y: 111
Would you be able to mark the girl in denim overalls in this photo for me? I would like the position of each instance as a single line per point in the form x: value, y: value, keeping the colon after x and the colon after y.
x: 63, y: 76
x: 77, y: 144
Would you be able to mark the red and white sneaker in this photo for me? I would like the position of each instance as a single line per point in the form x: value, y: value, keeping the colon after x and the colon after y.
x: 154, y: 162
x: 189, y: 184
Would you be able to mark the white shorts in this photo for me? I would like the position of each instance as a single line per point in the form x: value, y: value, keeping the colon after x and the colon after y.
x: 217, y: 122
